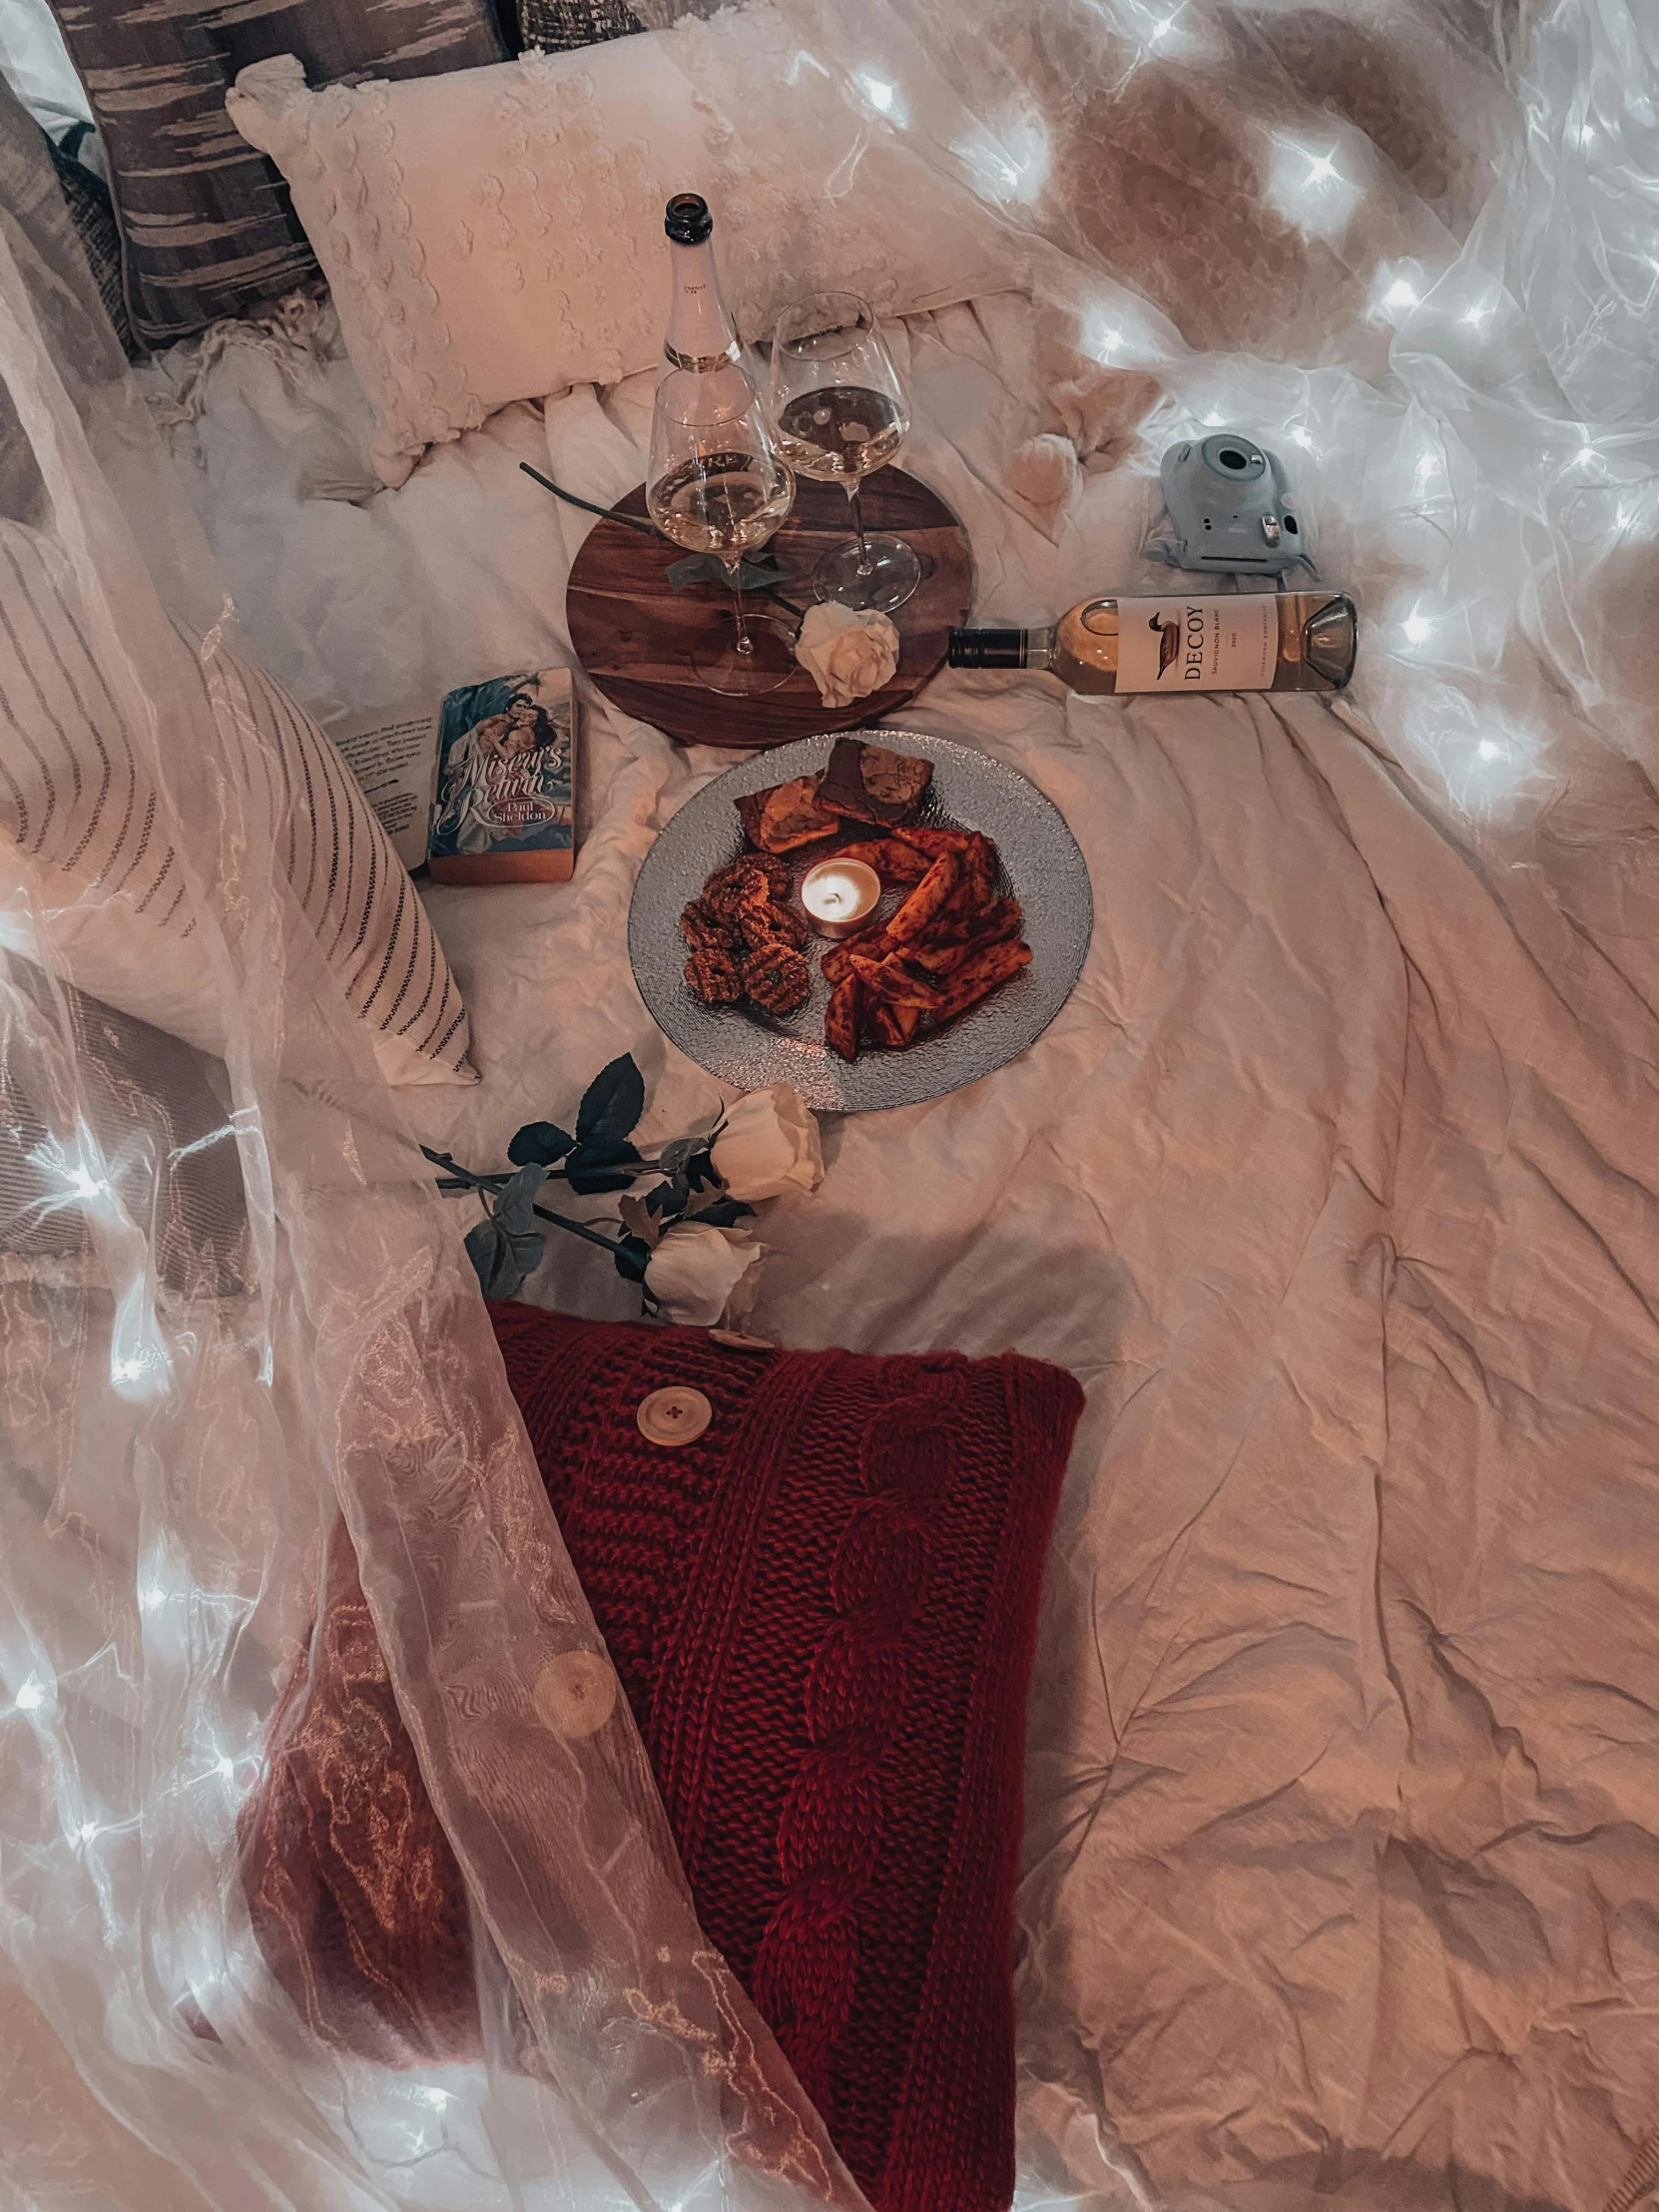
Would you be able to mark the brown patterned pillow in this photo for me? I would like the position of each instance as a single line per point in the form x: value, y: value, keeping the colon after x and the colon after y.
x: 92, y: 211
x: 206, y: 225
x: 558, y: 26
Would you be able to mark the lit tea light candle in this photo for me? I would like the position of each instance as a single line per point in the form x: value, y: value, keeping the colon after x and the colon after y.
x: 840, y: 896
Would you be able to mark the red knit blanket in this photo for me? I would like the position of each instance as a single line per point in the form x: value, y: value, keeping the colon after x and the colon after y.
x: 821, y: 1611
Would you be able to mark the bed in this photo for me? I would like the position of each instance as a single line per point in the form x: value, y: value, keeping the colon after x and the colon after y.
x: 1333, y: 1183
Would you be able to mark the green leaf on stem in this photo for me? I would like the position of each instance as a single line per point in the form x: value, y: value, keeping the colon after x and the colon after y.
x: 539, y: 1141
x: 593, y: 1168
x: 514, y: 1207
x: 503, y: 1258
x: 612, y: 1104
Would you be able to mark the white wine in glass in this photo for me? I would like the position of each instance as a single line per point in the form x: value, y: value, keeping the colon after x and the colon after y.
x: 725, y: 503
x: 839, y: 413
x: 716, y: 485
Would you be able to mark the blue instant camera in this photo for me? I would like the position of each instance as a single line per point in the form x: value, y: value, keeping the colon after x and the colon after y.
x: 1230, y: 504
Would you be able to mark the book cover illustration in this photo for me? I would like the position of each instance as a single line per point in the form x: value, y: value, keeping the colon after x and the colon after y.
x: 506, y: 776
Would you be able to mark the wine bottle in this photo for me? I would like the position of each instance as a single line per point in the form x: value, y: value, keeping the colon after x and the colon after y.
x: 1245, y: 641
x: 700, y: 335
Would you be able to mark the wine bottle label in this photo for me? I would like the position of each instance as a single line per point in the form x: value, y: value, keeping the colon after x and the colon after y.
x: 1188, y: 645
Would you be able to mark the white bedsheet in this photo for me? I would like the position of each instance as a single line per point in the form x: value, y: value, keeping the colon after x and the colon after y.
x: 1333, y: 1183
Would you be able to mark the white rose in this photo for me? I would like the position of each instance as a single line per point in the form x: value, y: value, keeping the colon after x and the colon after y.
x: 698, y: 1274
x: 846, y: 653
x: 769, y: 1145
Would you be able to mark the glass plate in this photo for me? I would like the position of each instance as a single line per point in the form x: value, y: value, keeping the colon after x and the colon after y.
x: 745, y: 1048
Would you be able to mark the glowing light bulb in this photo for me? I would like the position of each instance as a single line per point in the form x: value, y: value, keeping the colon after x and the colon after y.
x: 1478, y: 315
x: 878, y: 94
x: 1320, y: 169
x: 1401, y: 295
x: 1586, y: 454
x: 224, y: 1767
x: 1417, y: 628
x: 31, y: 1697
x: 87, y: 1831
x: 1301, y: 438
x: 436, y: 2098
x: 1487, y: 751
x: 1213, y: 421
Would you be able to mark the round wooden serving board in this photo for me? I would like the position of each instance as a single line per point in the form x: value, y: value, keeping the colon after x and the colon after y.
x: 632, y: 634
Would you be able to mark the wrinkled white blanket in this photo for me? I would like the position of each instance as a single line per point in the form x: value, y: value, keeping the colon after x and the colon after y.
x: 1334, y: 1183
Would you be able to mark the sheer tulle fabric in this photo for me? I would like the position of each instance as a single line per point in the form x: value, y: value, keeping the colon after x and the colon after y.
x: 256, y: 1315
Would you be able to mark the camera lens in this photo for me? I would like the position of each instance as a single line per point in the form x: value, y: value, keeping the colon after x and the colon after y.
x: 1231, y: 458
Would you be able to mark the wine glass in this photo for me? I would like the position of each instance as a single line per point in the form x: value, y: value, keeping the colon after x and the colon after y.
x: 839, y: 408
x: 716, y: 485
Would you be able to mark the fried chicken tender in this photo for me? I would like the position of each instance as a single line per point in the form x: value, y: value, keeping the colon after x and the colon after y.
x: 704, y: 930
x: 728, y: 883
x: 713, y: 975
x: 776, y: 978
x: 763, y: 920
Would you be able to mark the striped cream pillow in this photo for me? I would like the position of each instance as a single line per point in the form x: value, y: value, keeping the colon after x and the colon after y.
x: 79, y: 818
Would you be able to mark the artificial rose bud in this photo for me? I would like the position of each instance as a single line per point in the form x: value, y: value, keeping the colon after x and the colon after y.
x: 846, y: 654
x: 769, y: 1145
x: 698, y: 1274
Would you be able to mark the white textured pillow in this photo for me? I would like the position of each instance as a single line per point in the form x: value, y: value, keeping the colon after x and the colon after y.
x: 497, y: 233
x: 79, y: 835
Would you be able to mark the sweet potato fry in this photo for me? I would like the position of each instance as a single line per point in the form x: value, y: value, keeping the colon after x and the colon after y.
x: 871, y: 974
x: 842, y: 1017
x: 979, y: 869
x: 994, y: 927
x: 926, y: 902
x: 893, y: 1026
x: 970, y: 925
x: 935, y: 842
x: 971, y: 896
x: 979, y: 976
x: 893, y: 984
x: 836, y: 965
x: 892, y: 862
x: 971, y: 847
